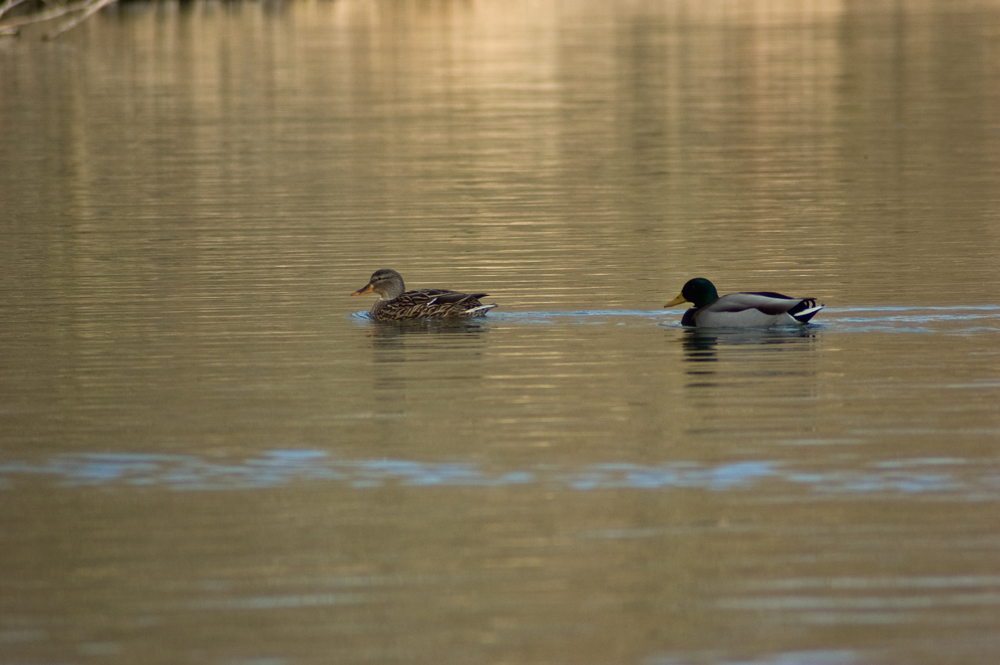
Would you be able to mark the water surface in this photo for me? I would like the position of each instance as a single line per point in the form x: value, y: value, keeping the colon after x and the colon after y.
x: 208, y: 454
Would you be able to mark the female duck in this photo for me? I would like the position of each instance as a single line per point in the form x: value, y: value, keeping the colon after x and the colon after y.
x: 397, y: 304
x: 741, y: 310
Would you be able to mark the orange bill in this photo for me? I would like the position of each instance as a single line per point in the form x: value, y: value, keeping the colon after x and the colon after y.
x: 361, y: 292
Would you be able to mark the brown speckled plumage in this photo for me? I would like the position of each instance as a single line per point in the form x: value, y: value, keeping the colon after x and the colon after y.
x: 397, y: 304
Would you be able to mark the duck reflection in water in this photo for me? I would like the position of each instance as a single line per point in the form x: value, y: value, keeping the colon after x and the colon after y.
x: 701, y: 345
x: 429, y: 332
x: 405, y: 358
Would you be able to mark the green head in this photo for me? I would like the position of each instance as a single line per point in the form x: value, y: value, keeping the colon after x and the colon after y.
x: 698, y: 291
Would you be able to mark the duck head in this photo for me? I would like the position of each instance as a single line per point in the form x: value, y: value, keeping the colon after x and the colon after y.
x: 698, y: 291
x: 385, y: 282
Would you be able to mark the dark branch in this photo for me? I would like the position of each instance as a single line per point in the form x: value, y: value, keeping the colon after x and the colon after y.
x: 85, y: 7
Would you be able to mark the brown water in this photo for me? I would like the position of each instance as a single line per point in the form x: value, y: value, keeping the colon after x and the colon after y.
x: 209, y: 455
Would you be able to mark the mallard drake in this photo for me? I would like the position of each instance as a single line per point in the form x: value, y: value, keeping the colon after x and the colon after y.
x: 398, y: 304
x: 741, y: 310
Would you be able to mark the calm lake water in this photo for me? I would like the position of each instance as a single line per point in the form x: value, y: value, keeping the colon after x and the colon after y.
x: 208, y: 454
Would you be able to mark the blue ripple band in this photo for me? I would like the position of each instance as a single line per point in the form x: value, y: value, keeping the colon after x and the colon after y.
x: 978, y: 479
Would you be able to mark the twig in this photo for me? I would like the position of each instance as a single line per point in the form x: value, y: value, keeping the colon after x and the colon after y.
x: 10, y: 4
x: 46, y: 15
x: 73, y: 22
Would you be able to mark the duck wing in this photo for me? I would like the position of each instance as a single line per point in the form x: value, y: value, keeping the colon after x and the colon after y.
x: 752, y: 310
x: 440, y: 297
x: 767, y: 302
x: 802, y: 309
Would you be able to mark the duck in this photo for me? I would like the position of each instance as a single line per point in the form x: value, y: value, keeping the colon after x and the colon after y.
x: 395, y: 303
x: 741, y: 310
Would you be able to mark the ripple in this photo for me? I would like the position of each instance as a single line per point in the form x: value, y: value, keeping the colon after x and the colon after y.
x: 975, y: 319
x: 977, y: 480
x: 816, y: 657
